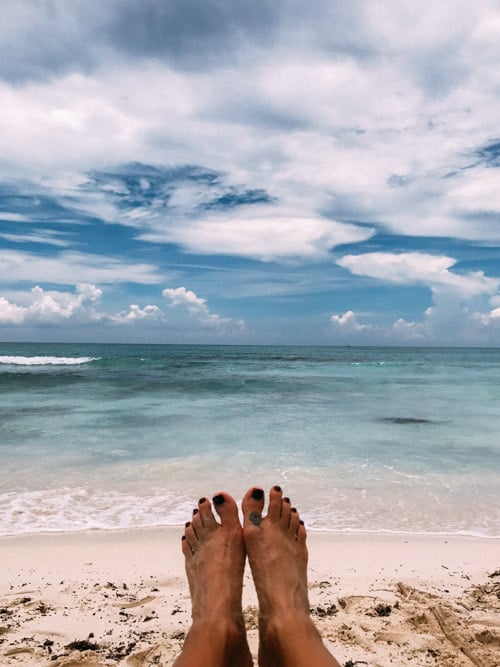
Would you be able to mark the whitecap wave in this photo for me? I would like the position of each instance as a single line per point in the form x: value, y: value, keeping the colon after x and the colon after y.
x: 46, y: 361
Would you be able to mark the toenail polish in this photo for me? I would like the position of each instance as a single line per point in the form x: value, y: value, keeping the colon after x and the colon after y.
x: 286, y: 500
x: 187, y: 524
x: 277, y: 488
x: 202, y: 500
x: 183, y: 537
x: 257, y: 494
x: 301, y: 522
x: 195, y: 511
x: 218, y: 500
x: 294, y: 509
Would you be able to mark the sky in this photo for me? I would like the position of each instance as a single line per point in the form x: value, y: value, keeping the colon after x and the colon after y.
x: 224, y: 171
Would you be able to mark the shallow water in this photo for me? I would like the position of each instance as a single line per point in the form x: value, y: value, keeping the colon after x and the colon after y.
x: 380, y: 439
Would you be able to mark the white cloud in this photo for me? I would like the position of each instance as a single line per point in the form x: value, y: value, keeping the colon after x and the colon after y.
x: 261, y: 234
x: 347, y: 322
x: 135, y: 314
x: 180, y: 296
x: 62, y: 269
x: 419, y: 268
x: 49, y: 307
x: 44, y: 236
x: 198, y: 309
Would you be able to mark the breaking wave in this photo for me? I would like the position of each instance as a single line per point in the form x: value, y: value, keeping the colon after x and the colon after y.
x: 46, y: 361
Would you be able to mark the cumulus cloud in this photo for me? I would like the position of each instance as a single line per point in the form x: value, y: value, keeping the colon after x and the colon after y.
x: 197, y: 308
x: 180, y: 296
x: 136, y: 314
x: 49, y: 307
x: 463, y: 306
x: 347, y: 322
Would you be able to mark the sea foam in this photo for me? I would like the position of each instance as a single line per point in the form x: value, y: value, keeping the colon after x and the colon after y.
x: 45, y: 361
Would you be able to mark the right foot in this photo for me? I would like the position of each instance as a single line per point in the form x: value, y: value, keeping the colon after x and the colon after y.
x: 276, y: 549
x: 277, y: 552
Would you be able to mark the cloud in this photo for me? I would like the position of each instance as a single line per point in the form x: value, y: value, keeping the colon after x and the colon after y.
x: 42, y: 236
x: 50, y: 307
x: 262, y: 235
x: 198, y: 309
x: 347, y: 323
x: 180, y: 296
x: 63, y: 267
x: 414, y: 268
x: 136, y: 314
x: 55, y: 307
x: 196, y: 208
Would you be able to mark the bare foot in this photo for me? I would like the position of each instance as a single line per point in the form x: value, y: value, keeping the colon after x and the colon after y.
x: 215, y: 560
x: 277, y: 552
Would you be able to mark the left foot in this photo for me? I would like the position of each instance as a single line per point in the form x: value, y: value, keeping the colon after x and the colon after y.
x: 215, y: 562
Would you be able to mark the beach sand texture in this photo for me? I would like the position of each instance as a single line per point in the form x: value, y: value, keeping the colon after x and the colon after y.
x: 120, y: 598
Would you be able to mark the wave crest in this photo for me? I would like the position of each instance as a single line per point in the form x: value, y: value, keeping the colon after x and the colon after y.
x: 46, y: 361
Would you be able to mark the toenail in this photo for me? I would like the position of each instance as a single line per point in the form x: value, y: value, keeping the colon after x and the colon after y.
x: 257, y: 494
x: 183, y: 537
x: 218, y: 500
x: 195, y: 511
x: 286, y: 500
x: 294, y: 509
x: 187, y: 524
x: 277, y: 488
x: 301, y: 522
x: 202, y: 500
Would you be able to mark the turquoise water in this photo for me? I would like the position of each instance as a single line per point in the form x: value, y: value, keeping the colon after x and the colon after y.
x: 379, y: 439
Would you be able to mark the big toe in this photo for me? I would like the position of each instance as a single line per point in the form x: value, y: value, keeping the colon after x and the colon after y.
x: 227, y: 509
x: 252, y: 506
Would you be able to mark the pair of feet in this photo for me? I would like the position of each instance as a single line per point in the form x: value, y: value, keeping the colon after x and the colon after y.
x: 215, y: 556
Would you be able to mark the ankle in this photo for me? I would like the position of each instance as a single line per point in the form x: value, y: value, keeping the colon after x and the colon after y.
x: 280, y: 624
x: 218, y: 625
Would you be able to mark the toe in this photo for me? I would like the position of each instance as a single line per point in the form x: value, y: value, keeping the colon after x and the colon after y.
x: 286, y: 510
x: 294, y: 522
x: 226, y: 508
x: 301, y: 533
x: 252, y: 505
x: 274, y: 509
x: 191, y: 537
x: 206, y: 515
x: 186, y: 548
x: 197, y: 524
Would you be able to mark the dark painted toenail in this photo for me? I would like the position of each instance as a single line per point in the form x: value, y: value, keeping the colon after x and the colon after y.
x: 195, y: 511
x: 183, y: 537
x: 301, y: 522
x: 202, y: 500
x: 294, y: 509
x: 187, y: 524
x: 257, y: 494
x: 218, y: 500
x: 277, y: 488
x: 286, y: 500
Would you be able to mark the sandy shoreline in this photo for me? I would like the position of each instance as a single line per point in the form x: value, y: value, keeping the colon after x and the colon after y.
x: 123, y: 596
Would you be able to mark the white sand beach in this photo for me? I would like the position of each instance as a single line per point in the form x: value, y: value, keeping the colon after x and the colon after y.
x: 120, y: 598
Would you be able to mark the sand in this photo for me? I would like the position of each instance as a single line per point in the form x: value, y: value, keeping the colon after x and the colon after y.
x: 120, y: 598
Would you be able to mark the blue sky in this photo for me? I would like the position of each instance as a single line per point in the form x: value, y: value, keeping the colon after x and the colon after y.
x: 250, y: 172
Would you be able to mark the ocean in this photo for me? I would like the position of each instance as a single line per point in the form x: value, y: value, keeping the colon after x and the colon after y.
x: 362, y: 439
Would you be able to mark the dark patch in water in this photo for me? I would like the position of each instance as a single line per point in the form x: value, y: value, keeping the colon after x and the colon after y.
x: 406, y: 420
